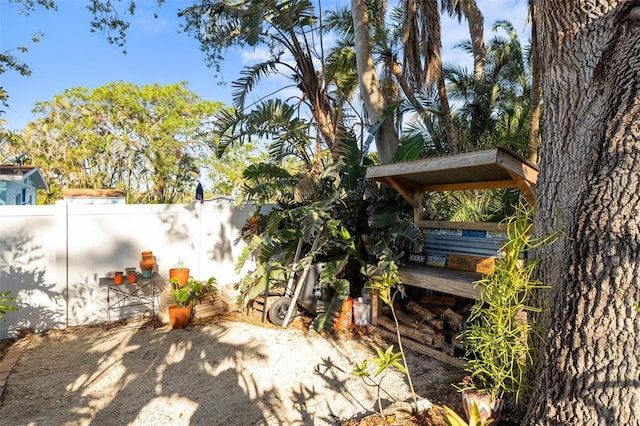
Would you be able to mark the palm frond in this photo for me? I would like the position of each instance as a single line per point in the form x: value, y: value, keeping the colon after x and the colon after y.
x: 250, y: 77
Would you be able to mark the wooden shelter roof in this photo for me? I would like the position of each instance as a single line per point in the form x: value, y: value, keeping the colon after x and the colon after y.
x: 484, y: 169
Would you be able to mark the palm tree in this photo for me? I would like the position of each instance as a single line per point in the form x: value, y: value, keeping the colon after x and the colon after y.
x: 371, y: 87
x: 495, y: 110
x: 284, y: 28
x: 535, y: 141
x: 469, y: 9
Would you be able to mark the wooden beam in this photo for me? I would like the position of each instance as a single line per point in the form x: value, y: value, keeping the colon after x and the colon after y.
x: 470, y: 185
x: 517, y: 167
x: 418, y: 210
x: 397, y: 185
x: 526, y: 187
x: 476, y: 226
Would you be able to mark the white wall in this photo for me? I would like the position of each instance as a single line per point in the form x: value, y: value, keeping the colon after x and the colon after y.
x: 52, y: 257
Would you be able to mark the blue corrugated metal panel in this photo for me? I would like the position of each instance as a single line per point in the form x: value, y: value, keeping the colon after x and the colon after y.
x: 472, y: 246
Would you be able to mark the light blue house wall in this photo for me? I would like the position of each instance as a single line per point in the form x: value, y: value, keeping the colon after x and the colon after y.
x: 19, y: 185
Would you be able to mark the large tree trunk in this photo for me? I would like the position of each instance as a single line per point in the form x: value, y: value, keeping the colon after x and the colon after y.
x: 435, y: 75
x: 536, y: 95
x: 589, y: 188
x: 476, y: 31
x: 370, y: 90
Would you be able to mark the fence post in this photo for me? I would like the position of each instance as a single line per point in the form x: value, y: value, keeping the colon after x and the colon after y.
x: 62, y: 252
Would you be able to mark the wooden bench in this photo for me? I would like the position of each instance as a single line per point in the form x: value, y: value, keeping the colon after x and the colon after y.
x: 456, y: 254
x: 452, y: 261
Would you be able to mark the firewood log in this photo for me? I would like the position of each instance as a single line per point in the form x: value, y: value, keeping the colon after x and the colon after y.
x: 407, y: 331
x: 452, y: 319
x: 421, y: 311
x: 426, y: 314
x: 415, y: 323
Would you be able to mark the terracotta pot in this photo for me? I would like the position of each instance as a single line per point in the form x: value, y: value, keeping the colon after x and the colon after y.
x: 117, y: 278
x: 181, y: 274
x: 179, y: 317
x: 488, y: 406
x: 147, y: 264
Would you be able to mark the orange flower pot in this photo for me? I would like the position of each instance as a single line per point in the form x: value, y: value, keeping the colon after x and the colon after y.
x: 181, y: 274
x: 179, y: 317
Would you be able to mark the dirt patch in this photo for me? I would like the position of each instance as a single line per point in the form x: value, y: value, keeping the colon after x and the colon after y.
x: 231, y: 370
x: 4, y: 347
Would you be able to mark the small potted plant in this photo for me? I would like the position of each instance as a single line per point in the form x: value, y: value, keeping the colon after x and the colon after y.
x: 185, y: 296
x: 179, y: 272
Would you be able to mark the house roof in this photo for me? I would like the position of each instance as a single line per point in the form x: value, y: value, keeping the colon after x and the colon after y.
x: 484, y: 169
x: 97, y: 193
x: 15, y: 172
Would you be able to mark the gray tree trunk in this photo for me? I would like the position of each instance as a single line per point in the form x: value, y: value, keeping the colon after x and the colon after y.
x: 370, y: 90
x: 536, y: 96
x: 589, y: 188
x: 476, y: 31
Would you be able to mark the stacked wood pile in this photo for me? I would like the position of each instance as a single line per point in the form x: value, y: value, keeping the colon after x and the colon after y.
x: 202, y: 309
x: 435, y: 322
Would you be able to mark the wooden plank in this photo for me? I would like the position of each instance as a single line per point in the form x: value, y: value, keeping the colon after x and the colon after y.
x: 466, y: 186
x: 403, y: 190
x: 418, y: 210
x: 475, y: 226
x: 485, y: 169
x: 425, y: 350
x: 482, y: 265
x: 444, y: 280
x: 432, y: 164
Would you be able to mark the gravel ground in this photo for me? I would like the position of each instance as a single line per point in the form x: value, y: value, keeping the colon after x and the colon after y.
x: 226, y: 371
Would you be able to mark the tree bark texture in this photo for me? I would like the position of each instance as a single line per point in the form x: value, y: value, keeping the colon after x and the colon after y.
x: 370, y: 90
x: 536, y: 97
x: 588, y: 188
x: 476, y: 31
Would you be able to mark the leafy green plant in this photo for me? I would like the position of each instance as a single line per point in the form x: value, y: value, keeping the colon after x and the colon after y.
x: 453, y: 419
x: 328, y: 194
x: 385, y: 359
x: 5, y: 303
x: 187, y: 295
x: 500, y: 352
x: 387, y: 284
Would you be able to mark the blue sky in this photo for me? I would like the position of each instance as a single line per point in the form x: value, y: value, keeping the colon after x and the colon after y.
x: 69, y: 55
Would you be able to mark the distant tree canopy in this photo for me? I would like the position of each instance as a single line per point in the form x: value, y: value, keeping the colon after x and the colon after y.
x: 10, y: 59
x: 147, y: 140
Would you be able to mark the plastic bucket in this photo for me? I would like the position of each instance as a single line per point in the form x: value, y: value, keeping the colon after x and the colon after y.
x: 361, y: 312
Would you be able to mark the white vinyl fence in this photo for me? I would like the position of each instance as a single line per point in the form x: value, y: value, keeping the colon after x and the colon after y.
x: 52, y: 257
